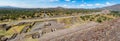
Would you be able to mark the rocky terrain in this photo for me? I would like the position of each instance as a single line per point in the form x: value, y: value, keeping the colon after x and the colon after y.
x: 107, y: 31
x: 56, y: 31
x: 97, y: 26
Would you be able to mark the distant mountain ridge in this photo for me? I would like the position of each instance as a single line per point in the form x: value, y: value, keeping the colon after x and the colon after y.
x: 8, y: 7
x: 113, y: 7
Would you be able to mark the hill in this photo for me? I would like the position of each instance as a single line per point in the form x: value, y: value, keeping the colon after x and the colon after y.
x: 113, y: 7
x: 8, y: 7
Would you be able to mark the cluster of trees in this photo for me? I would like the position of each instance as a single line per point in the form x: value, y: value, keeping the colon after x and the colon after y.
x: 101, y: 17
x: 115, y: 13
x: 14, y: 13
x: 22, y: 13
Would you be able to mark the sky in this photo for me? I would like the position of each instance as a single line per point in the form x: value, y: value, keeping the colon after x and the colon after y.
x: 59, y: 3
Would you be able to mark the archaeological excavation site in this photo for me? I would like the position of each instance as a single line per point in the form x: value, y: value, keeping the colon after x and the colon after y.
x: 68, y: 20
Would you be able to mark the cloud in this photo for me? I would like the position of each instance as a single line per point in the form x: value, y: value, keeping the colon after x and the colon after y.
x: 47, y: 0
x: 105, y: 4
x: 89, y: 4
x: 67, y: 0
x: 65, y: 5
x: 73, y: 1
x: 82, y: 5
x: 86, y: 5
x: 98, y: 4
x: 26, y: 3
x: 46, y: 3
x: 108, y: 3
x: 83, y: 1
x: 16, y: 4
x: 7, y: 4
x: 53, y: 0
